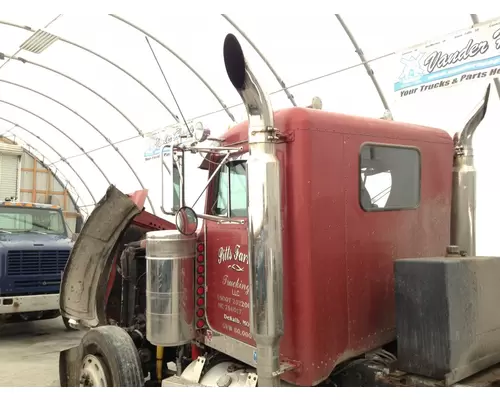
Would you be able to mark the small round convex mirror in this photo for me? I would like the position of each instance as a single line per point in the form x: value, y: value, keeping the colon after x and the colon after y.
x: 186, y: 221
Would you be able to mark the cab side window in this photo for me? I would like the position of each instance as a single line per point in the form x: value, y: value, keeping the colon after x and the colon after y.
x: 231, y: 190
x: 389, y: 177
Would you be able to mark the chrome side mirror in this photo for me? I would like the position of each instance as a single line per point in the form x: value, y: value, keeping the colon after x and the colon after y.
x: 186, y: 221
x: 200, y: 134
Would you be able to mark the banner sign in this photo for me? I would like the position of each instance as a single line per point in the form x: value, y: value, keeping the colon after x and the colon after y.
x: 174, y: 134
x: 460, y: 57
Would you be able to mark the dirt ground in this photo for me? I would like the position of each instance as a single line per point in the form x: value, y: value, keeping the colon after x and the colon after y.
x: 29, y: 352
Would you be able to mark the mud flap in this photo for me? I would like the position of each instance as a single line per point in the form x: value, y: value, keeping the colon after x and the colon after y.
x: 84, y: 281
x: 69, y: 366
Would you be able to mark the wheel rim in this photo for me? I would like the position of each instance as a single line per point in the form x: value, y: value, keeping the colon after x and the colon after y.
x: 93, y: 373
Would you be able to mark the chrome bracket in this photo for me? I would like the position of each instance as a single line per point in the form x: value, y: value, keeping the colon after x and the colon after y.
x: 284, y: 367
x: 193, y: 371
x: 252, y: 379
x: 271, y: 134
x: 198, y: 368
x: 274, y: 135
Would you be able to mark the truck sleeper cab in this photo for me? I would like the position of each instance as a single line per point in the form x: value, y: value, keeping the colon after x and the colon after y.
x: 355, y: 196
x: 34, y: 248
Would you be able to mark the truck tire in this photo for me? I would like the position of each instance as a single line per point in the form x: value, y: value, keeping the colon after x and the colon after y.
x: 110, y: 358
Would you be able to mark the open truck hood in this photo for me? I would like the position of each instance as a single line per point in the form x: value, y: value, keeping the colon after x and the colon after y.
x: 85, y: 277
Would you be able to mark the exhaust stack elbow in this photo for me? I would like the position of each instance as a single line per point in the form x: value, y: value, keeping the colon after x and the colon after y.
x: 256, y: 101
x: 474, y: 121
x: 264, y: 216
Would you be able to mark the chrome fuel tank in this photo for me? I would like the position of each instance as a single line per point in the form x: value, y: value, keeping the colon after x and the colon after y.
x: 170, y: 288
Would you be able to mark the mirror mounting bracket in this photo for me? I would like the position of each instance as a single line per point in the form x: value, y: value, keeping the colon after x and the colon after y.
x: 226, y: 151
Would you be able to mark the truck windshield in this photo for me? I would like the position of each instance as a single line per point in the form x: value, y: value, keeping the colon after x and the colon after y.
x: 24, y: 219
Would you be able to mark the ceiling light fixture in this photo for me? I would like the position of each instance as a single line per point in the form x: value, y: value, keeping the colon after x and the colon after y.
x: 39, y: 42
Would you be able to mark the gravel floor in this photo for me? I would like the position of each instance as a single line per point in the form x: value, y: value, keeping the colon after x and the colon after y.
x: 29, y: 352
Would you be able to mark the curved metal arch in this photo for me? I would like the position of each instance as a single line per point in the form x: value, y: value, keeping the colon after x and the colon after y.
x: 62, y: 132
x: 226, y: 109
x: 361, y: 55
x: 91, y: 125
x: 25, y: 61
x: 278, y: 78
x: 43, y: 164
x: 94, y: 53
x: 55, y: 151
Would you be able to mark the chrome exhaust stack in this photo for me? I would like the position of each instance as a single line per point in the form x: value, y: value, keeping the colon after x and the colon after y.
x: 265, y: 249
x: 463, y: 202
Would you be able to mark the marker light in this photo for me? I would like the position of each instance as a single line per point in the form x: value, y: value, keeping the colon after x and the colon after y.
x: 200, y: 280
x: 200, y: 301
x: 200, y: 290
x: 200, y: 313
x: 200, y: 324
x: 201, y: 269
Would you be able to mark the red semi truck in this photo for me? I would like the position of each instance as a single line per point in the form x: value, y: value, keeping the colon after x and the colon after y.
x: 302, y: 273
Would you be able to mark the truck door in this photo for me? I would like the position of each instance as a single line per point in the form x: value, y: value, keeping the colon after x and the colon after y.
x: 227, y: 275
x: 383, y: 223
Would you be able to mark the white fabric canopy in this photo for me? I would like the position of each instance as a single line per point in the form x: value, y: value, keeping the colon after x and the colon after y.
x: 82, y: 104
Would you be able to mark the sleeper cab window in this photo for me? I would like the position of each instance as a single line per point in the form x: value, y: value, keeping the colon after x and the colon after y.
x: 389, y: 177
